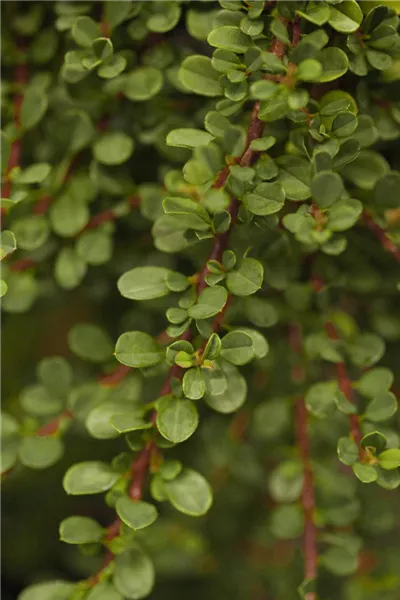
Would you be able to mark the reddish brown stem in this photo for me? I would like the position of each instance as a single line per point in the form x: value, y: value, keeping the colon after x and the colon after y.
x: 54, y: 425
x: 22, y: 265
x: 345, y: 386
x: 20, y: 79
x: 139, y: 468
x: 108, y: 215
x: 115, y: 377
x: 221, y: 240
x: 303, y: 444
x: 307, y: 496
x: 380, y: 233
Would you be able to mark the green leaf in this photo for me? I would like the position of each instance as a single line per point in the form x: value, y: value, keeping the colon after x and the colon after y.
x: 85, y: 31
x: 345, y: 17
x: 198, y: 75
x: 69, y: 269
x: 56, y: 374
x: 213, y: 347
x: 365, y: 473
x: 286, y: 482
x: 8, y: 243
x: 9, y: 426
x: 69, y: 214
x: 347, y: 451
x: 90, y: 342
x: 209, y: 303
x: 91, y: 477
x: 40, y: 452
x: 334, y: 63
x: 189, y: 493
x: 237, y: 348
x: 344, y: 124
x: 193, y: 384
x: 226, y: 387
x: 366, y: 350
x: 191, y: 215
x: 35, y: 173
x: 98, y: 422
x: 327, y: 188
x: 340, y: 561
x: 247, y: 279
x: 375, y: 381
x: 366, y: 169
x: 386, y: 190
x: 33, y: 108
x: 126, y: 422
x: 134, y: 574
x: 22, y: 292
x: 270, y: 419
x: 112, y: 67
x: 137, y: 515
x: 320, y: 399
x: 31, y: 232
x: 116, y: 12
x: 94, y: 247
x: 142, y: 84
x: 309, y: 70
x: 287, y: 522
x: 344, y: 214
x: 164, y: 17
x: 230, y: 38
x: 113, y: 148
x: 49, y: 590
x: 381, y: 407
x: 144, y: 283
x: 295, y: 177
x: 177, y: 419
x: 189, y: 138
x: 390, y: 459
x: 317, y: 12
x: 105, y: 590
x: 265, y: 199
x: 80, y: 530
x: 138, y: 349
x: 375, y: 440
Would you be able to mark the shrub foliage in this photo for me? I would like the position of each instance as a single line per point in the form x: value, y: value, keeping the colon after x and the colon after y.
x: 216, y: 183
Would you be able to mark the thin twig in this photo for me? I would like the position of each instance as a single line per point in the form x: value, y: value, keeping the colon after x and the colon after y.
x: 382, y: 236
x: 310, y: 552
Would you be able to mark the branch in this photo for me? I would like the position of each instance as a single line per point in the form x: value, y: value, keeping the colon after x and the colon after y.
x: 139, y: 469
x: 20, y: 79
x: 382, y: 236
x: 345, y: 386
x: 54, y: 425
x: 303, y: 443
x: 343, y: 378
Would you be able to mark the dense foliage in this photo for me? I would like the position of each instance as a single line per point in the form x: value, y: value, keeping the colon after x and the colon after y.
x: 200, y: 209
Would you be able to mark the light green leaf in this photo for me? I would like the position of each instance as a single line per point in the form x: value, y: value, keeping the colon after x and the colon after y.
x: 126, y: 422
x: 144, y: 283
x: 198, y: 75
x: 113, y: 148
x: 347, y: 451
x: 177, y: 419
x: 136, y: 515
x: 237, y: 348
x: 80, y: 530
x: 138, y: 349
x: 85, y: 31
x: 346, y: 17
x: 209, y: 303
x: 190, y: 493
x: 90, y: 342
x: 33, y: 108
x: 381, y: 407
x: 375, y: 381
x: 134, y: 574
x: 40, y: 452
x: 247, y: 279
x: 390, y: 459
x: 69, y: 269
x: 265, y: 199
x: 91, y: 477
x: 193, y: 384
x: 142, y: 84
x: 230, y: 38
x: 49, y: 590
x: 189, y: 138
x: 365, y: 473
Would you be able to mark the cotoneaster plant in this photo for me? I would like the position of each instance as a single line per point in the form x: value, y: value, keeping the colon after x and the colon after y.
x: 214, y: 187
